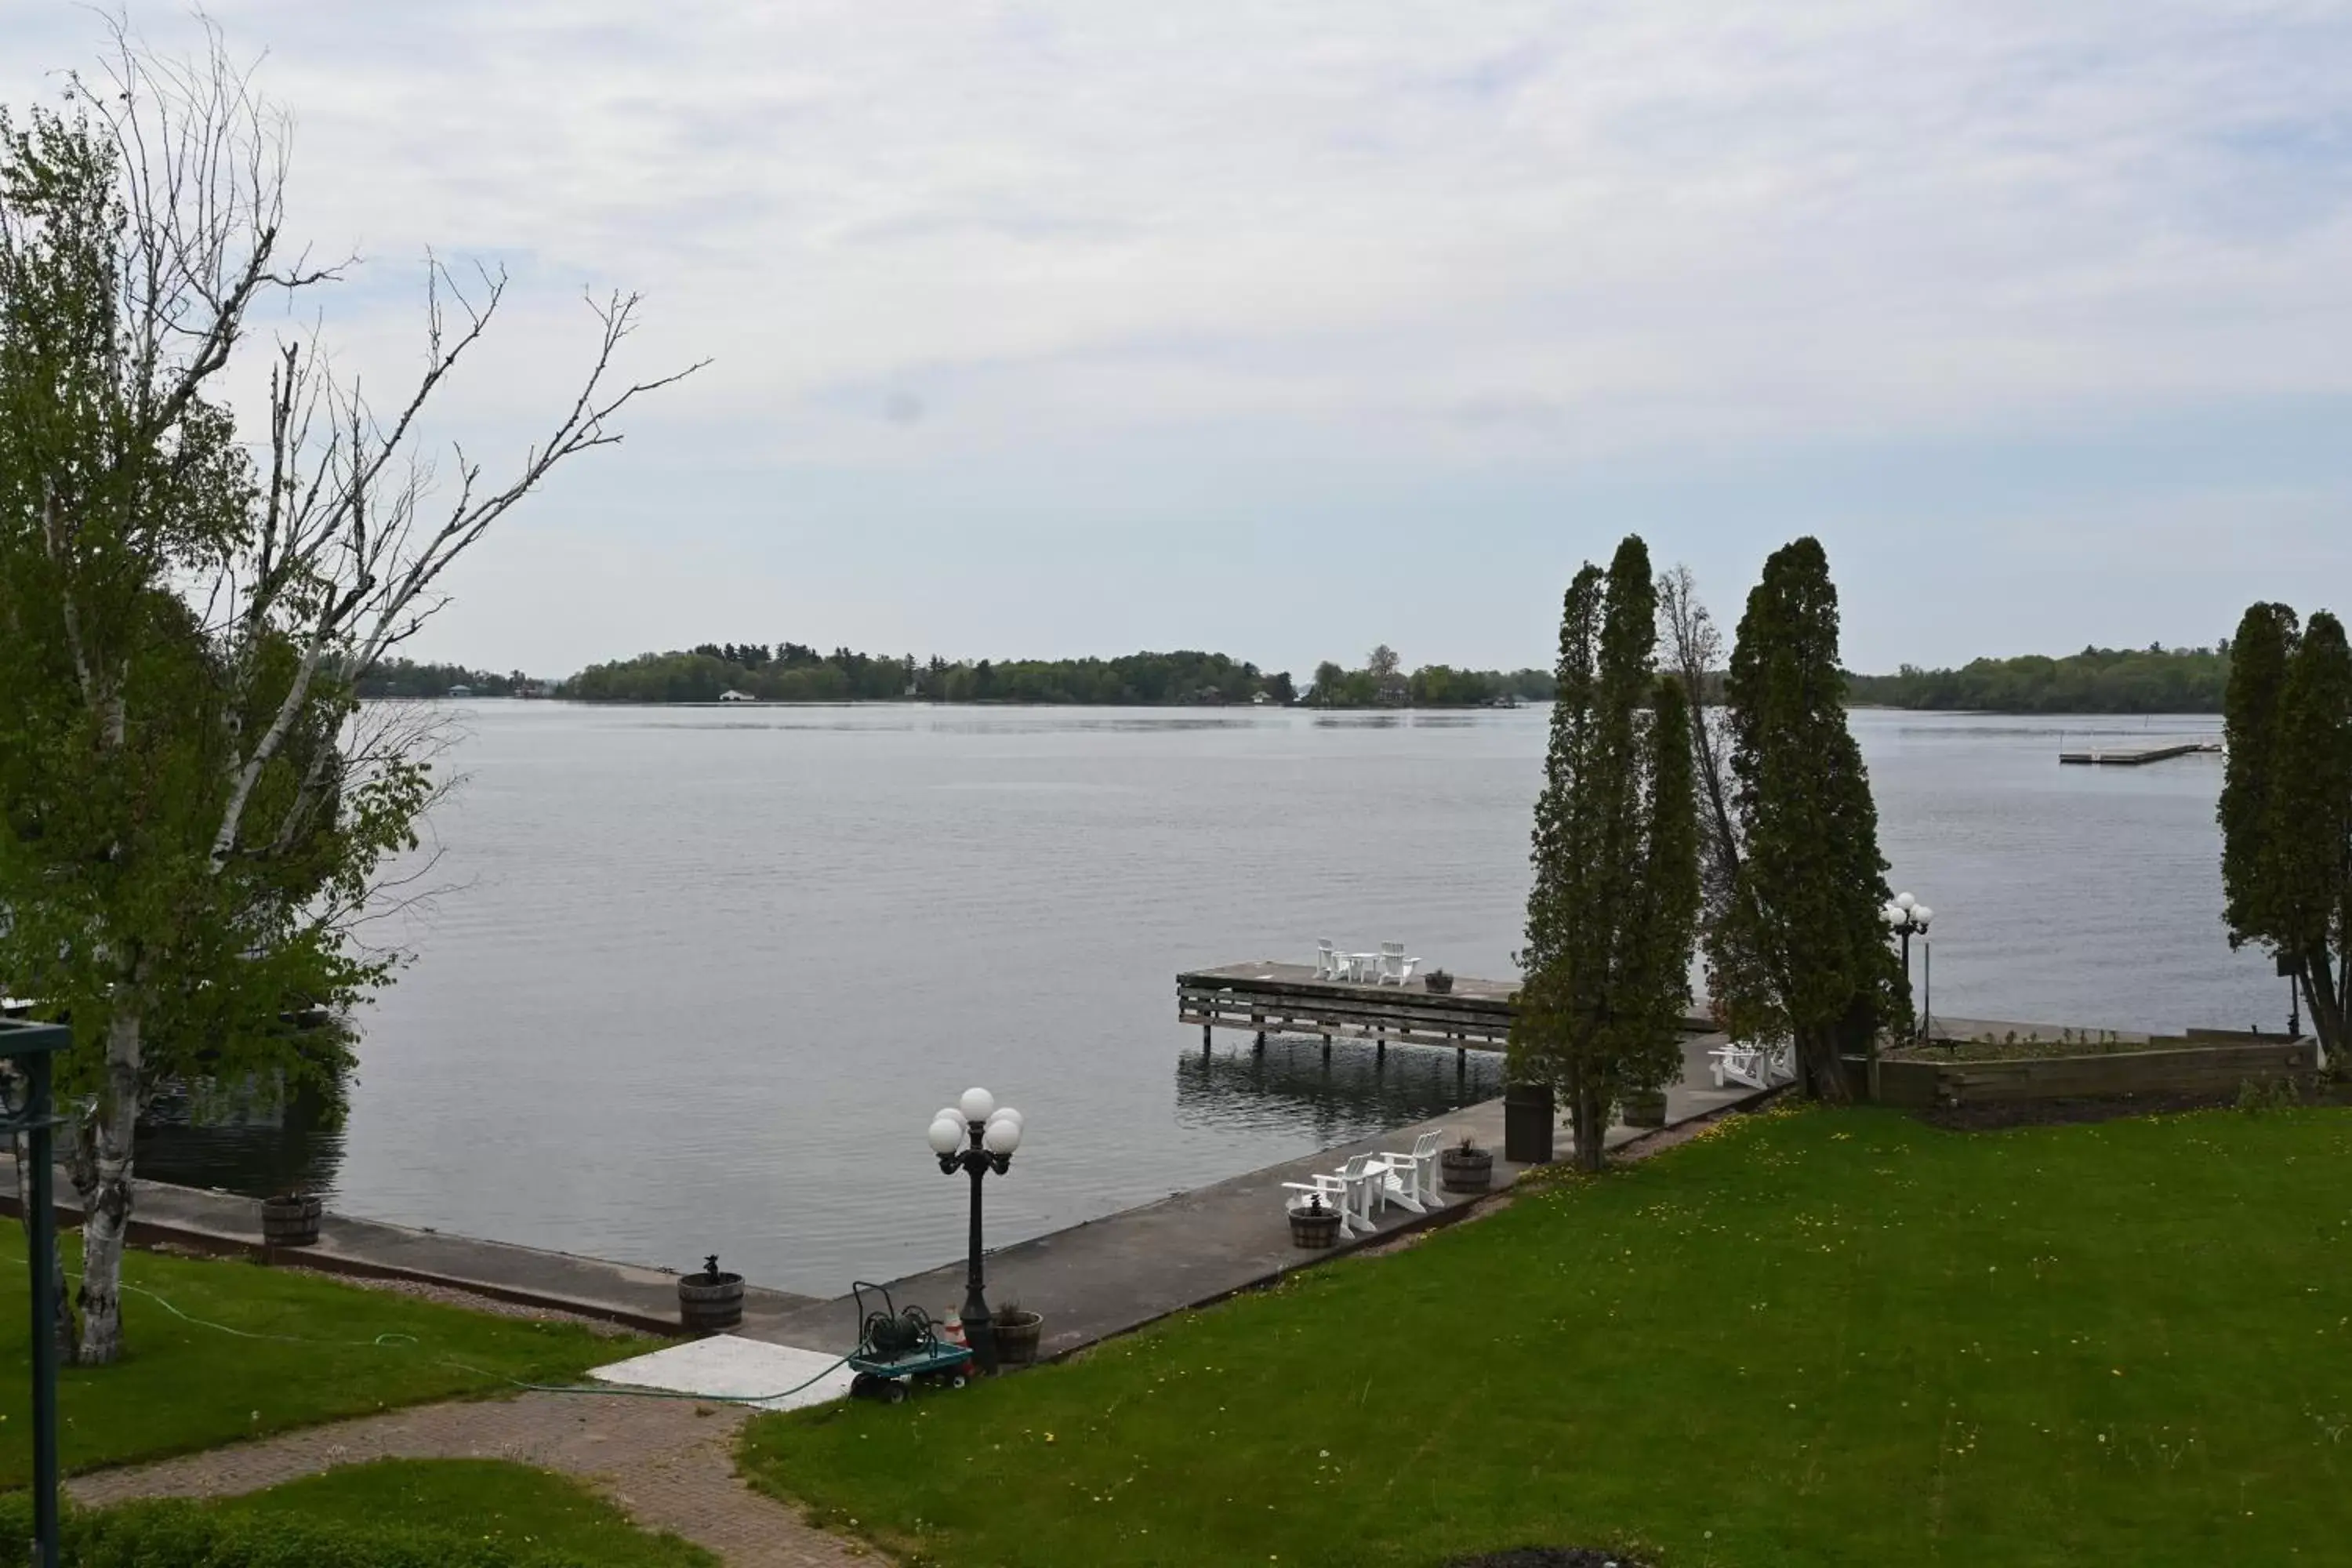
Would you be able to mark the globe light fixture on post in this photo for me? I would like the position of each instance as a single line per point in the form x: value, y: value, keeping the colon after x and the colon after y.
x: 976, y: 1136
x: 1905, y: 916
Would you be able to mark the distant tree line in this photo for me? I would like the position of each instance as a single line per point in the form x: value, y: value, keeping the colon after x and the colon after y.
x: 407, y: 678
x: 2155, y: 679
x: 789, y: 672
x: 1383, y: 683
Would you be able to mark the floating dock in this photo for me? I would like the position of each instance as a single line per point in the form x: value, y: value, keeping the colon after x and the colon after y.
x: 1290, y: 998
x: 2132, y: 756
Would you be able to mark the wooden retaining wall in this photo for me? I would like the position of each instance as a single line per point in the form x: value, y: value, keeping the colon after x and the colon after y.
x: 2193, y: 1067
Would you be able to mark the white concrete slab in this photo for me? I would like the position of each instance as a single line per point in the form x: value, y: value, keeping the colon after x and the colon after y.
x: 775, y: 1377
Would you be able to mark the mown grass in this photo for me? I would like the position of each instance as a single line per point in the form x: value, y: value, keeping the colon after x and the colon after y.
x: 1806, y: 1338
x: 510, y: 1506
x: 325, y: 1350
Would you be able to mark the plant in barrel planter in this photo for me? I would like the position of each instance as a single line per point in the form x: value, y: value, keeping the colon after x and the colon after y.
x: 290, y: 1220
x: 1466, y: 1167
x: 710, y: 1300
x: 1017, y: 1328
x: 1645, y: 1106
x: 1438, y: 981
x: 1314, y: 1223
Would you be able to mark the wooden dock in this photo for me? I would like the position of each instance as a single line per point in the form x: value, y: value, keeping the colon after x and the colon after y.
x: 1287, y: 998
x: 2130, y: 756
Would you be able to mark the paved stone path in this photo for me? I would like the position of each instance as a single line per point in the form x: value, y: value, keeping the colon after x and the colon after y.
x: 668, y: 1467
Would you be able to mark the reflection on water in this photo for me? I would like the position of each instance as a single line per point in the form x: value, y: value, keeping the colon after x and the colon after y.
x: 1290, y: 1089
x: 256, y: 1145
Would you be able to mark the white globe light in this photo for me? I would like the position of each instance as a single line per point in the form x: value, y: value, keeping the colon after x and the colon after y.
x: 1890, y: 915
x: 1003, y: 1137
x: 1006, y: 1114
x: 946, y: 1135
x: 977, y: 1104
x: 1923, y: 914
x: 1904, y: 900
x: 947, y: 1113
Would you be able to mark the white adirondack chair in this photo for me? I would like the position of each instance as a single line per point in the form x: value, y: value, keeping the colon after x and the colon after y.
x: 1410, y: 1180
x: 1737, y: 1064
x: 1395, y: 967
x: 1349, y: 1190
x: 1780, y: 1064
x: 1327, y: 962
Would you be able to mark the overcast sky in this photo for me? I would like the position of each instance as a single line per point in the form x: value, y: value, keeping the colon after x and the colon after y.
x: 1286, y: 329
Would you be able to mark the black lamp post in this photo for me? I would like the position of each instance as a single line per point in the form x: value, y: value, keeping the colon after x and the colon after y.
x: 25, y: 1108
x: 993, y: 1132
x: 2294, y: 977
x: 1904, y: 917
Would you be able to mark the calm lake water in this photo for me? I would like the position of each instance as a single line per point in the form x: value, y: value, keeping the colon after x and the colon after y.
x: 698, y: 977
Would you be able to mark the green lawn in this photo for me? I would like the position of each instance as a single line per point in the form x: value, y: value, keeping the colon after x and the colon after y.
x: 1806, y: 1338
x: 509, y: 1505
x: 184, y: 1385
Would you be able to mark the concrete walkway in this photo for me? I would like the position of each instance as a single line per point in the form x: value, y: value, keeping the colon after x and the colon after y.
x: 1118, y: 1273
x: 640, y: 1298
x: 670, y: 1464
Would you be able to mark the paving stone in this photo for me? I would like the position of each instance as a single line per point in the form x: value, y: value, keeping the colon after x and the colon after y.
x: 669, y: 1463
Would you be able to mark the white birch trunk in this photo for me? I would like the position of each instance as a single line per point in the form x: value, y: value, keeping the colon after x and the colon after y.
x: 101, y: 1175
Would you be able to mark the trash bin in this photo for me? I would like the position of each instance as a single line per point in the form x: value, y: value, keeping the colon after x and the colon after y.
x: 1527, y: 1123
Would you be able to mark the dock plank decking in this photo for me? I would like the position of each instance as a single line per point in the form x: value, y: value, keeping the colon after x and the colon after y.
x: 1288, y: 998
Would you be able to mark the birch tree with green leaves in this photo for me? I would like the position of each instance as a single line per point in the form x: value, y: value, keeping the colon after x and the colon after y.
x: 196, y: 814
x: 1615, y: 890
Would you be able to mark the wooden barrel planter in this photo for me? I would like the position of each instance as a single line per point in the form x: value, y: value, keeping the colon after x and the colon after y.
x: 1316, y: 1225
x: 710, y: 1300
x: 290, y: 1220
x: 1016, y: 1336
x: 1466, y: 1169
x: 1646, y: 1109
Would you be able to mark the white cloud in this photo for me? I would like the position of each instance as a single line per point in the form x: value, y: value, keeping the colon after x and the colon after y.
x: 1542, y: 237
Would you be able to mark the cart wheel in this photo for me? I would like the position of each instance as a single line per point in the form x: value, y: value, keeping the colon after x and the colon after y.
x: 893, y: 1392
x: 861, y: 1386
x: 955, y: 1380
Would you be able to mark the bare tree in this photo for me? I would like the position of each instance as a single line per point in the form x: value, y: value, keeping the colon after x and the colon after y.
x: 1694, y: 651
x: 215, y: 820
x: 1740, y: 980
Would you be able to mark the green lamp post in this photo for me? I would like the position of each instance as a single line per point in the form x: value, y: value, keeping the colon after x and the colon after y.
x: 25, y: 1108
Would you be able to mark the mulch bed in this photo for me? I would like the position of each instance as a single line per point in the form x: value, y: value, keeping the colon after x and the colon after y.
x: 1548, y: 1557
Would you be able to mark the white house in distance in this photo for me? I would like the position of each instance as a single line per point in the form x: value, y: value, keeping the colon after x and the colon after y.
x: 731, y: 695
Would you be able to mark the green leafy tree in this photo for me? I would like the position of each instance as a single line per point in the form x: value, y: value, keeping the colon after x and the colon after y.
x: 195, y: 812
x: 2287, y: 805
x: 1615, y: 857
x: 2260, y: 654
x: 1801, y: 952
